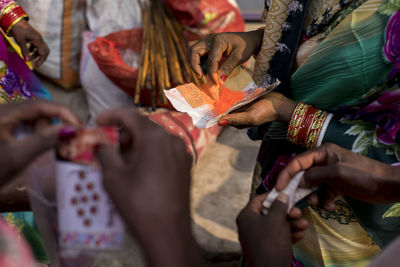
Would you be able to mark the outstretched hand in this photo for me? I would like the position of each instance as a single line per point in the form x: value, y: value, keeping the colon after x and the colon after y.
x: 271, y: 107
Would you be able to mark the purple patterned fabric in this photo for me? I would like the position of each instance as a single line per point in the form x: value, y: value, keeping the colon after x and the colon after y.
x: 272, y: 176
x: 12, y: 84
x: 392, y: 43
x: 385, y: 113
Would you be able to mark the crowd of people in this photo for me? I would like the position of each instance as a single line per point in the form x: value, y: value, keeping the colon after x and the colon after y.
x: 334, y: 115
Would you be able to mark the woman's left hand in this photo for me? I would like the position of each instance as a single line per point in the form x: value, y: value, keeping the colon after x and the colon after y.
x: 25, y: 34
x: 16, y: 153
x: 271, y: 107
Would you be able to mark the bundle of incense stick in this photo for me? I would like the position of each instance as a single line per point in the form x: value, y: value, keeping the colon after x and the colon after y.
x: 163, y: 60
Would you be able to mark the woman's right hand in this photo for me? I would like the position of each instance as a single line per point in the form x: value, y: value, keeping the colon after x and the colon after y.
x: 271, y: 107
x: 344, y: 173
x: 235, y: 47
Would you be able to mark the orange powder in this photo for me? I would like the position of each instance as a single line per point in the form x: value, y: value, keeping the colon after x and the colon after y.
x: 227, y: 98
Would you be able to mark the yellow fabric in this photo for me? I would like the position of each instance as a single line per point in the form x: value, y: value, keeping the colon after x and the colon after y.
x: 17, y: 49
x: 335, y: 239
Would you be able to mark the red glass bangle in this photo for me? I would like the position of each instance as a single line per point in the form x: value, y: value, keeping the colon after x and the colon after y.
x: 12, y: 17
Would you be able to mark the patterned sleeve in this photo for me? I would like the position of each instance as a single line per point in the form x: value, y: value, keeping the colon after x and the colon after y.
x: 311, y: 127
x: 360, y: 137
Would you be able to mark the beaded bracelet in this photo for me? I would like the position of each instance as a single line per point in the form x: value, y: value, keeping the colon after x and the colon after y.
x: 305, y: 125
x: 12, y: 16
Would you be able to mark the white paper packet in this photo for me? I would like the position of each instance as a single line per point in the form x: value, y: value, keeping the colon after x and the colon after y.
x: 186, y: 98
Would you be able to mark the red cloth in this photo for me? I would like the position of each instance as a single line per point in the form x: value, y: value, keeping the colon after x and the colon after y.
x: 203, y: 17
x: 180, y: 124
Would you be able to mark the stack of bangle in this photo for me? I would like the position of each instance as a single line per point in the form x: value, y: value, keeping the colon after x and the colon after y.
x: 305, y: 125
x: 11, y: 15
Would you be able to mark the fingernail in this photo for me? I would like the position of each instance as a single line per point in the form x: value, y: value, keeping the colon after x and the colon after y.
x: 223, y: 78
x: 223, y: 123
x: 26, y: 58
x: 66, y: 133
x: 282, y: 197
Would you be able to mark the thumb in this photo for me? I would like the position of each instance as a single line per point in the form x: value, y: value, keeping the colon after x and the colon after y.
x: 109, y: 157
x: 24, y: 48
x: 278, y: 208
x: 229, y: 65
x: 26, y: 149
x: 240, y: 119
x: 318, y: 175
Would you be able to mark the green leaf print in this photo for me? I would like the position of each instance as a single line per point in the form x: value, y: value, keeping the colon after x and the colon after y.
x: 362, y: 143
x: 392, y: 212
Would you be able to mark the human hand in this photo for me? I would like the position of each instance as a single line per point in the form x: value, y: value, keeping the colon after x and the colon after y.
x: 344, y: 172
x: 17, y: 153
x: 149, y: 181
x: 267, y: 240
x: 25, y: 34
x: 270, y: 107
x: 236, y: 47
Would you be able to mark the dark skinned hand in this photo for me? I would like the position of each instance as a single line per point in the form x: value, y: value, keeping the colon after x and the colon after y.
x: 345, y: 173
x: 267, y: 240
x: 25, y: 35
x: 233, y: 48
x: 271, y: 107
x: 17, y: 153
x: 149, y: 183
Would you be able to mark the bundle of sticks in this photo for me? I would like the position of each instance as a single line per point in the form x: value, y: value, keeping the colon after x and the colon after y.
x: 163, y: 64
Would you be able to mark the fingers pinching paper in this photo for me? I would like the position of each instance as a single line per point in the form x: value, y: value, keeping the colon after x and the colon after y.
x: 292, y: 191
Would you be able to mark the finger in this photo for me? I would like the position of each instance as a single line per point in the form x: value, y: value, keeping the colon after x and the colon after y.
x: 196, y: 51
x: 327, y: 201
x: 109, y: 158
x: 298, y: 225
x: 230, y: 64
x: 26, y: 149
x: 297, y: 236
x: 35, y: 109
x: 22, y: 42
x: 255, y: 205
x: 42, y: 50
x: 301, y: 162
x: 313, y: 200
x: 294, y: 213
x: 129, y: 119
x: 279, y: 206
x: 319, y: 175
x: 238, y: 120
x: 214, y: 58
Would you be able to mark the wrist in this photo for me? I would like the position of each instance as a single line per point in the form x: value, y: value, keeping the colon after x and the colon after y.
x: 306, y: 125
x: 286, y: 111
